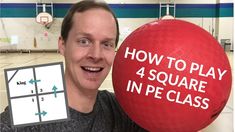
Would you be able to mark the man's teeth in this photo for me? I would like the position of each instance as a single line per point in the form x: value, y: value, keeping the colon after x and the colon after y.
x: 92, y: 69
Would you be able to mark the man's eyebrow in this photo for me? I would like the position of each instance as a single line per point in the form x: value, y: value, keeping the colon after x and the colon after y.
x: 84, y: 34
x: 109, y: 39
x: 89, y: 35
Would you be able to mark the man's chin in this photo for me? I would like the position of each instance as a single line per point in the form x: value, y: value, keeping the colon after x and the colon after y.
x: 92, y: 86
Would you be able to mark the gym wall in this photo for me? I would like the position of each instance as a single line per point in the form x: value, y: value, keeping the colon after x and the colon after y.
x: 17, y: 22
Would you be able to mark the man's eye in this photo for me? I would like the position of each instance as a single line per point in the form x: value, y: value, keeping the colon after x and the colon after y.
x: 84, y: 41
x: 108, y: 44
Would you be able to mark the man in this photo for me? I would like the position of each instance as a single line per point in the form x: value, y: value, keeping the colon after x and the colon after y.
x: 88, y: 39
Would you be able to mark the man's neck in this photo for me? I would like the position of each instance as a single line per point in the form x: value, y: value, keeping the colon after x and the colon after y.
x: 81, y: 100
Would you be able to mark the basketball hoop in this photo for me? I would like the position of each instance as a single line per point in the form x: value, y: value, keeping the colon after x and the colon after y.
x: 44, y: 18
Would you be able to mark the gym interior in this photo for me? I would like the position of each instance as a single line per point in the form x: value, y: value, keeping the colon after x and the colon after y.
x: 26, y: 39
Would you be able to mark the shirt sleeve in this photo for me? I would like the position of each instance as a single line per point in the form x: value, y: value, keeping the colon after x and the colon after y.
x: 5, y: 125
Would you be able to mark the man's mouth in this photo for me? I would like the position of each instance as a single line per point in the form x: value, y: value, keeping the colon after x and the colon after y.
x: 92, y: 69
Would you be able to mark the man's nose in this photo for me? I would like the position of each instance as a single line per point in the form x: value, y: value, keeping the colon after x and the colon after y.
x: 95, y: 51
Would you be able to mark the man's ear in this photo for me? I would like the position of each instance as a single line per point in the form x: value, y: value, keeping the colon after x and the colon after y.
x: 61, y: 45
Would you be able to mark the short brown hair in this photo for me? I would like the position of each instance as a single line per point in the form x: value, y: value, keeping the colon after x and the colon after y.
x: 81, y: 7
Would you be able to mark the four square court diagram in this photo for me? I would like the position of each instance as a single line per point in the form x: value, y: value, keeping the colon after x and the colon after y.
x: 36, y: 94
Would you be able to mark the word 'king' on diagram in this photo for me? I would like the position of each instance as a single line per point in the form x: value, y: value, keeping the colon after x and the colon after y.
x: 36, y: 94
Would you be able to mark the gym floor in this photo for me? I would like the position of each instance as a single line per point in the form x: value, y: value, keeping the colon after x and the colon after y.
x: 224, y: 123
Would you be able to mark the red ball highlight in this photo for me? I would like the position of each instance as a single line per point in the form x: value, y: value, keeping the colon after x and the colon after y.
x: 171, y: 76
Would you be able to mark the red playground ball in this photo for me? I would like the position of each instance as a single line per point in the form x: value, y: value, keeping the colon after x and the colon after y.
x: 171, y: 76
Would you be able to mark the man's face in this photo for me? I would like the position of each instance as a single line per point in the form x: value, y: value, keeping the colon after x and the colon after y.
x: 90, y: 49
